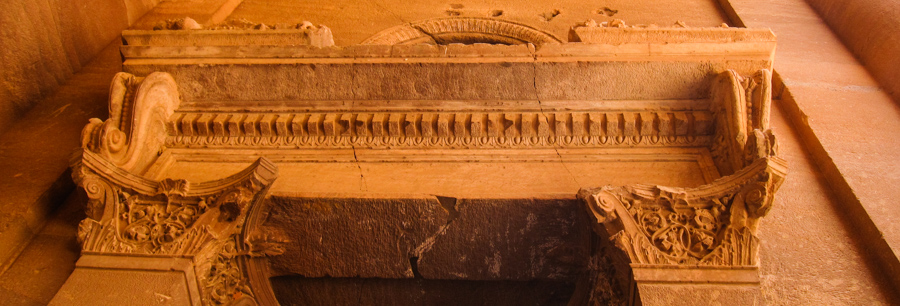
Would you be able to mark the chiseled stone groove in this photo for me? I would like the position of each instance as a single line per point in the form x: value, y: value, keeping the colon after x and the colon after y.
x: 442, y: 129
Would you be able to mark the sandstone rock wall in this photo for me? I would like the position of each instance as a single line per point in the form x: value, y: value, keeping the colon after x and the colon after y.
x: 43, y: 42
x: 869, y: 28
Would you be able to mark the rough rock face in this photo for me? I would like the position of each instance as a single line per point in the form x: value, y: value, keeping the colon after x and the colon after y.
x: 509, y: 240
x: 352, y: 237
x: 534, y: 250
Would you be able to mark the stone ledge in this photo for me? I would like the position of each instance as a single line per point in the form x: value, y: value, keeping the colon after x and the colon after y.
x: 694, y: 274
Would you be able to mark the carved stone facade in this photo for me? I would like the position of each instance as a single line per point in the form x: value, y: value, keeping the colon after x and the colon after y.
x: 194, y: 107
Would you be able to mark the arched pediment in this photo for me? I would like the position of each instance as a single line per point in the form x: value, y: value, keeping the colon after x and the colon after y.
x: 463, y: 30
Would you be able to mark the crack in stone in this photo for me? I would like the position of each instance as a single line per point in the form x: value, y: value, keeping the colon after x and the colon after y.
x: 449, y: 204
x: 359, y: 292
x: 419, y: 28
x: 375, y: 3
x: 541, y: 107
x: 414, y: 264
x: 362, y: 179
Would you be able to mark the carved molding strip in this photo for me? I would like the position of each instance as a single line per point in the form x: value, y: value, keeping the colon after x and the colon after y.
x: 178, y: 33
x: 510, y: 129
x: 616, y: 33
x: 461, y: 29
x: 135, y: 132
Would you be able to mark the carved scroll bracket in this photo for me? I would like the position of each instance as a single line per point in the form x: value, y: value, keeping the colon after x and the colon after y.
x: 135, y: 132
x: 741, y: 107
x: 131, y: 215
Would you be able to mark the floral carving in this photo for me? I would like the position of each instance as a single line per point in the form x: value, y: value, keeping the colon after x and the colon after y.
x: 713, y: 224
x: 129, y: 214
x: 170, y: 187
x: 224, y: 281
x: 163, y: 224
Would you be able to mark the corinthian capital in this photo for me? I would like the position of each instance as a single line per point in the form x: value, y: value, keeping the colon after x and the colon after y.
x: 711, y: 225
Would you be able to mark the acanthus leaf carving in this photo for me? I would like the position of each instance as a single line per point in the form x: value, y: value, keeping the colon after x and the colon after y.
x: 223, y: 278
x: 711, y: 225
x: 165, y: 217
x: 128, y: 214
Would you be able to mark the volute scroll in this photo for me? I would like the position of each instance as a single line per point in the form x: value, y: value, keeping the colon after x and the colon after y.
x: 139, y: 109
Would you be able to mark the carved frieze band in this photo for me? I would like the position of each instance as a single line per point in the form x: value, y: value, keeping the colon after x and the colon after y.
x: 712, y: 225
x: 680, y: 128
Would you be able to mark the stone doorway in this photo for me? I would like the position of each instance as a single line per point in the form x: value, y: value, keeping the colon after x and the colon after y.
x: 433, y: 251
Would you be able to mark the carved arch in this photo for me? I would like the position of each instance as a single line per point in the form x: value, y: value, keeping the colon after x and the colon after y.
x: 465, y: 30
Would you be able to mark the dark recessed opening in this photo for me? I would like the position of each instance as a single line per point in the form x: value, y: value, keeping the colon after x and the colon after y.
x: 474, y: 38
x: 298, y: 290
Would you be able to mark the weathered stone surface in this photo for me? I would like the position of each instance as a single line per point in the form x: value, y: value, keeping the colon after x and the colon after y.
x: 514, y: 77
x: 694, y: 294
x: 825, y: 91
x: 469, y: 239
x: 204, y: 12
x: 45, y: 42
x: 124, y: 287
x: 33, y: 176
x: 355, y: 21
x: 508, y: 240
x: 859, y: 24
x: 352, y: 237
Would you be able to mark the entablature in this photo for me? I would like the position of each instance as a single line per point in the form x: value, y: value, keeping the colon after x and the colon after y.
x: 224, y: 98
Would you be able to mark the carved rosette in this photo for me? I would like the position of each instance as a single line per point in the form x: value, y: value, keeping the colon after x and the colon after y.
x: 128, y: 214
